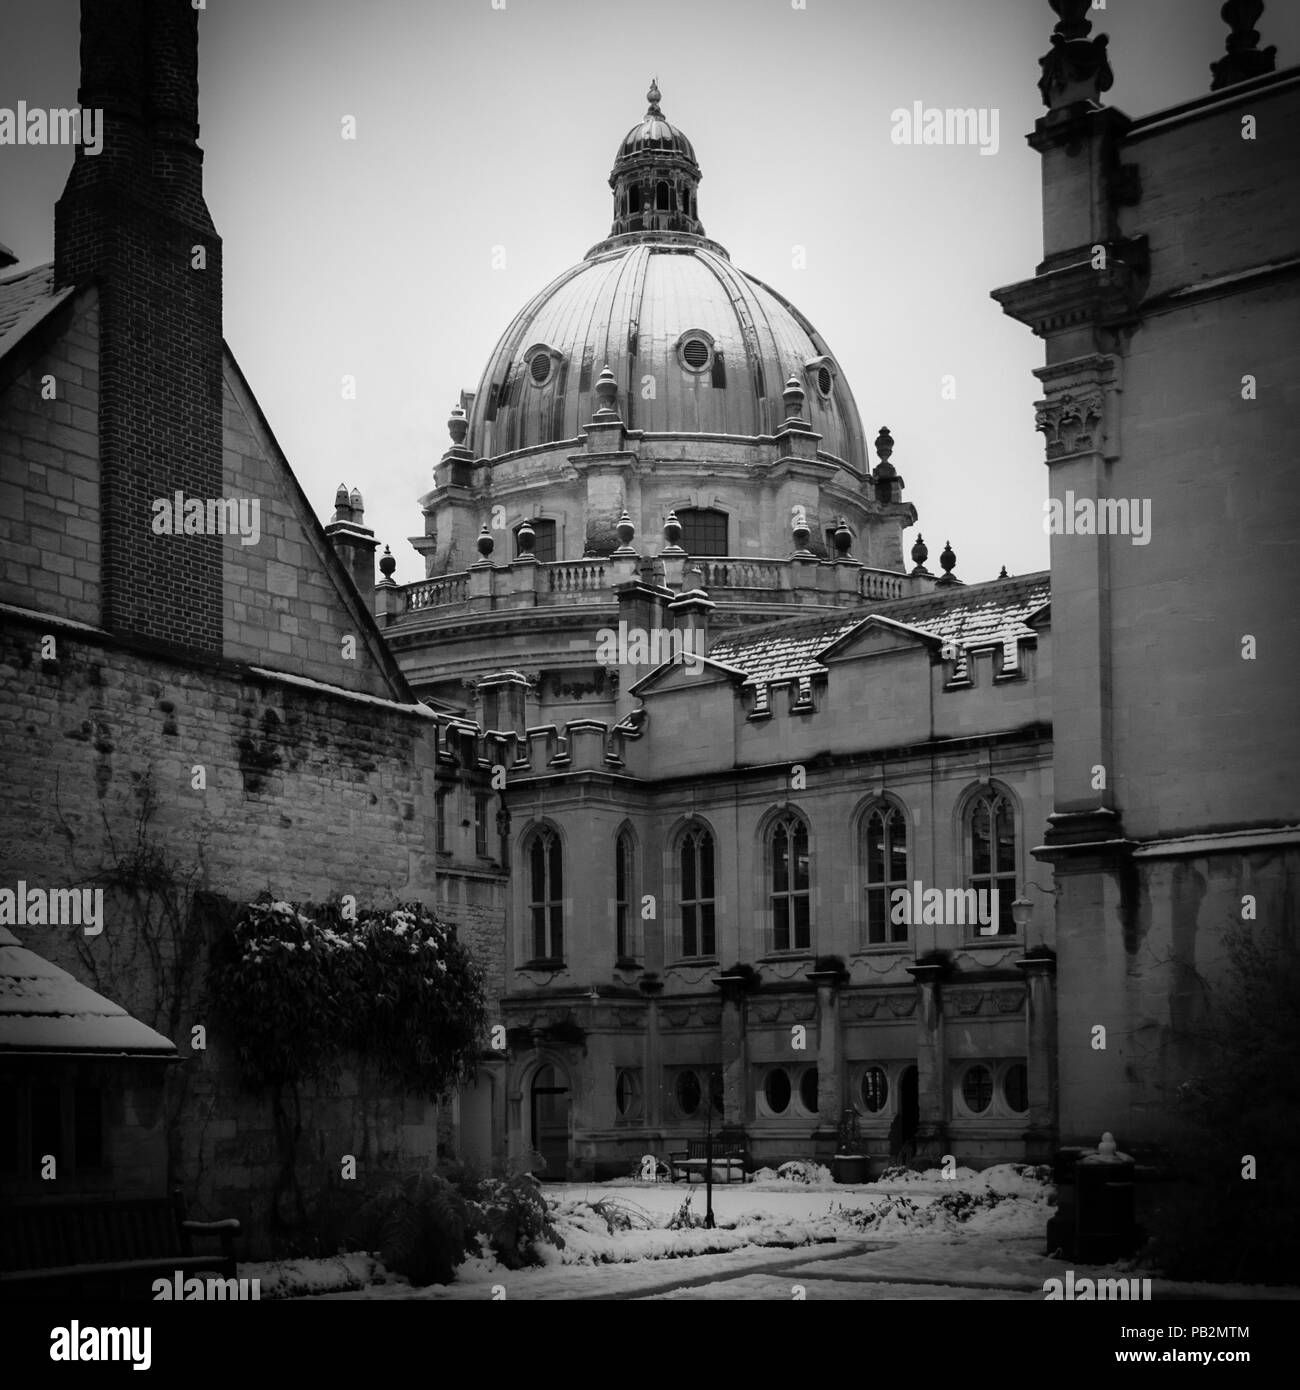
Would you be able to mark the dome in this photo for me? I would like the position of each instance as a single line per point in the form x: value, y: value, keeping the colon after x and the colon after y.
x: 695, y: 345
x: 654, y: 133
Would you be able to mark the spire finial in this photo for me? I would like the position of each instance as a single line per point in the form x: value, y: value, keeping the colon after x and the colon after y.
x: 1245, y: 59
x: 652, y: 96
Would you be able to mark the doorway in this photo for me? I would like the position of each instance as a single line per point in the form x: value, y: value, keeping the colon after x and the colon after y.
x: 550, y: 1123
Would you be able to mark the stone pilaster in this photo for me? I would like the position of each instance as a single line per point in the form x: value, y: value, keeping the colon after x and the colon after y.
x: 931, y: 1063
x: 1040, y: 1055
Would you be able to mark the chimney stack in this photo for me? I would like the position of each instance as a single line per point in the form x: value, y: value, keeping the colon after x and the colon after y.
x: 132, y: 220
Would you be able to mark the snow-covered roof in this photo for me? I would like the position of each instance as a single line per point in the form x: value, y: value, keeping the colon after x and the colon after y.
x: 45, y: 1009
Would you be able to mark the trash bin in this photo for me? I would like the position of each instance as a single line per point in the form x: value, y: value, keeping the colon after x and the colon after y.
x: 1106, y: 1223
x: 1062, y: 1228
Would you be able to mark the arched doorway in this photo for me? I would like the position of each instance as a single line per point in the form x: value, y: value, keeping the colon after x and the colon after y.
x: 909, y: 1107
x: 549, y: 1107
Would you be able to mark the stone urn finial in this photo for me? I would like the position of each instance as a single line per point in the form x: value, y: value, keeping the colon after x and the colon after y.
x: 843, y: 539
x: 387, y: 564
x: 457, y: 426
x: 672, y: 532
x: 486, y: 544
x: 526, y: 540
x: 607, y: 394
x: 625, y: 531
x: 793, y: 396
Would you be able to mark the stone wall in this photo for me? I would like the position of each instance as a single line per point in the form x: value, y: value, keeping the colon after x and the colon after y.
x: 308, y: 794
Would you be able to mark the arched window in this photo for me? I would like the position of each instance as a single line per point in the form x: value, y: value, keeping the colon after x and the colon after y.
x: 624, y: 898
x: 704, y: 532
x: 634, y: 198
x: 991, y: 861
x: 884, y: 869
x: 661, y: 197
x: 695, y: 863
x: 545, y: 860
x: 790, y: 893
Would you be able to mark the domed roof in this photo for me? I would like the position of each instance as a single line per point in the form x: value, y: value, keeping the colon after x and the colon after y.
x: 654, y: 133
x: 695, y: 345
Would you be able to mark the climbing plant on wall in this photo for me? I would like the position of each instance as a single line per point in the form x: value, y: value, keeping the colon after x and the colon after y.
x: 303, y: 987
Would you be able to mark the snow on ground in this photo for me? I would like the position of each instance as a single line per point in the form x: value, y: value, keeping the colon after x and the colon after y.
x: 911, y: 1236
x: 295, y: 1278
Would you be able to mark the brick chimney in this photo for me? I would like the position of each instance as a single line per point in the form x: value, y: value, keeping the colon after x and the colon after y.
x: 132, y: 219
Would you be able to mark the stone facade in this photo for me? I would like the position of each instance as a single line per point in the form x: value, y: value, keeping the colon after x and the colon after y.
x: 1167, y: 299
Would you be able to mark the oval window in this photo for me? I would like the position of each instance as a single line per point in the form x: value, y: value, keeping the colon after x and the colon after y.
x: 688, y: 1092
x: 808, y: 1090
x: 1015, y: 1088
x: 776, y: 1091
x: 824, y: 380
x: 540, y: 367
x: 977, y: 1089
x: 695, y: 353
x: 874, y: 1088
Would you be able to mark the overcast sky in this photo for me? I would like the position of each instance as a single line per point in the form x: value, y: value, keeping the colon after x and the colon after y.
x: 480, y: 127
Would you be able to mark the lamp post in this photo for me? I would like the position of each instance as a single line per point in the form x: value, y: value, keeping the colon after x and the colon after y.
x: 1022, y: 909
x: 708, y: 1154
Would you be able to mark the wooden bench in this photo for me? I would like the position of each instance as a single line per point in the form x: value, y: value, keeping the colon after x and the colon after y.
x: 728, y: 1155
x: 101, y: 1248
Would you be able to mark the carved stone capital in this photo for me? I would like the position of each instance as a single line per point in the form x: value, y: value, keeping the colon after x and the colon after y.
x: 1080, y: 412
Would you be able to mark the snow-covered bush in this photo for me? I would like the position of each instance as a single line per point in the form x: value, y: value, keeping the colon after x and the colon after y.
x: 421, y: 1227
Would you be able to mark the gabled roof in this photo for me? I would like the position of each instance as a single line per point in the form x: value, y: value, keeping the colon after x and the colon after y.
x: 24, y: 301
x: 44, y: 1009
x: 970, y: 616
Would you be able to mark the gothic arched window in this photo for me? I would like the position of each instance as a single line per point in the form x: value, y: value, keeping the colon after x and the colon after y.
x: 991, y: 858
x: 625, y: 944
x: 790, y: 894
x: 884, y: 869
x: 696, y: 891
x: 545, y: 859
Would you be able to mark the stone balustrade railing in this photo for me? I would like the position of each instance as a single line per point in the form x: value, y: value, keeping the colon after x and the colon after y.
x: 592, y: 580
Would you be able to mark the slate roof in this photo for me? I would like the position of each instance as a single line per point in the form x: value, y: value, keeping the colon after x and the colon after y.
x: 970, y: 616
x: 44, y: 1009
x: 24, y: 300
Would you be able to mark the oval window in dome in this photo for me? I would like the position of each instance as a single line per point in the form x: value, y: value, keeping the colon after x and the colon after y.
x: 695, y: 353
x: 824, y: 380
x: 540, y: 368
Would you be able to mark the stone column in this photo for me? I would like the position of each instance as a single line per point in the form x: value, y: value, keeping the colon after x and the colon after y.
x: 735, y: 1060
x: 1040, y: 1055
x: 653, y: 1064
x: 830, y: 1059
x: 931, y: 1063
